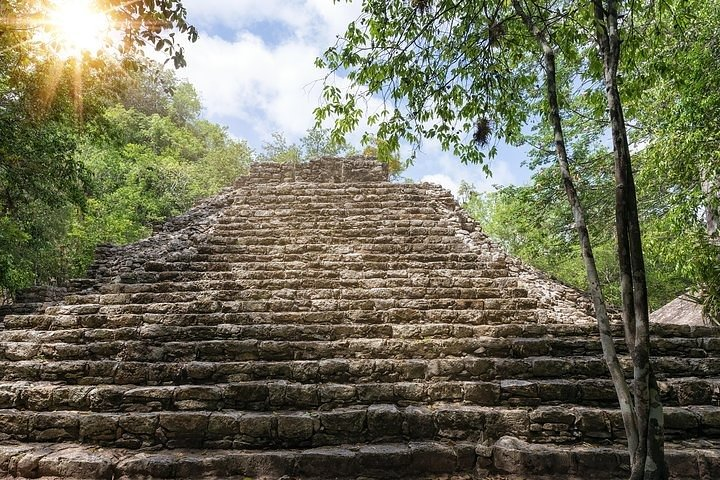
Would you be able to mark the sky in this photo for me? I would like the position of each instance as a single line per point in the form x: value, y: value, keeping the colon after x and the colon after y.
x: 253, y: 66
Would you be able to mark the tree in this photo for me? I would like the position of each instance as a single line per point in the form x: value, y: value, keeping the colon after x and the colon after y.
x: 140, y: 23
x: 316, y: 142
x: 147, y: 167
x: 44, y: 101
x: 675, y: 120
x: 465, y: 72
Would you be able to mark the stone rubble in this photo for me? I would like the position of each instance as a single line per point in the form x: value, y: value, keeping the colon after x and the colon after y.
x: 318, y: 321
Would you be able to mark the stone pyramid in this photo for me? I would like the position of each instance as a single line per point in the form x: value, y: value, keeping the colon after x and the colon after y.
x: 318, y: 321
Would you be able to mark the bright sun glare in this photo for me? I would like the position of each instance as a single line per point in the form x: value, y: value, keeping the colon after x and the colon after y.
x: 77, y: 27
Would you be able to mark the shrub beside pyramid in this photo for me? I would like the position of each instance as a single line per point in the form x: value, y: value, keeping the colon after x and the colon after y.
x: 317, y: 321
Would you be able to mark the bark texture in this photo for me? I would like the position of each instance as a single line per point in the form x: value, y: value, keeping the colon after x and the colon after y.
x: 647, y: 459
x: 625, y: 399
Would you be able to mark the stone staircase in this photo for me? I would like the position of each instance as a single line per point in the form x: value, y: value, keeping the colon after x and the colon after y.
x: 316, y: 321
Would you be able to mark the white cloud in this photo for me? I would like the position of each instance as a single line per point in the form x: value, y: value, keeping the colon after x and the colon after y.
x: 439, y: 167
x: 314, y: 20
x: 253, y: 66
x: 262, y: 74
x: 442, y: 180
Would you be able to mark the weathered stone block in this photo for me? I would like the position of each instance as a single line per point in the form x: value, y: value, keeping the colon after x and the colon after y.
x: 350, y: 420
x: 460, y: 423
x: 375, y: 392
x: 184, y: 423
x: 295, y: 427
x: 78, y: 463
x: 257, y: 425
x: 98, y: 427
x: 317, y: 462
x: 511, y: 455
x: 384, y: 420
x: 445, y: 391
x: 433, y: 458
x: 138, y: 424
x: 482, y: 393
x: 387, y: 457
x: 518, y: 388
x: 14, y: 425
x: 679, y: 419
x: 593, y: 424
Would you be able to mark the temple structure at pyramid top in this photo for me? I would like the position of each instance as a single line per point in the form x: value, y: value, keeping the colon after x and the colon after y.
x: 319, y: 321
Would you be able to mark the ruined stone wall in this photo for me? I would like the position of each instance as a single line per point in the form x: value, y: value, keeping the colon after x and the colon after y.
x: 356, y: 169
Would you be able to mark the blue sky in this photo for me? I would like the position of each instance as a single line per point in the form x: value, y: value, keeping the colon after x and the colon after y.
x: 253, y: 67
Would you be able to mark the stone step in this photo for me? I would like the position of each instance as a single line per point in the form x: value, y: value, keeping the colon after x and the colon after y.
x: 138, y: 316
x: 326, y: 212
x: 509, y: 457
x: 312, y: 283
x: 240, y: 292
x: 374, y: 234
x: 121, y: 304
x: 327, y: 258
x: 299, y: 272
x: 272, y: 267
x: 274, y: 331
x: 342, y: 252
x: 155, y: 329
x: 232, y: 349
x: 416, y: 460
x: 118, y: 372
x: 250, y: 349
x: 266, y: 395
x: 514, y: 456
x: 331, y: 199
x: 378, y: 422
x: 339, y: 223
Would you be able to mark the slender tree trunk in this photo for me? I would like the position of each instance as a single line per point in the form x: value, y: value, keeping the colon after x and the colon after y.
x: 710, y: 187
x: 609, y: 352
x: 647, y: 459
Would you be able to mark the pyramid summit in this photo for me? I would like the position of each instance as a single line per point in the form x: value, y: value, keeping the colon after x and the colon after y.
x: 319, y: 321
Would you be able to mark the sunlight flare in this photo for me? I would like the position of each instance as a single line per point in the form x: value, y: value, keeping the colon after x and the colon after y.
x: 76, y: 27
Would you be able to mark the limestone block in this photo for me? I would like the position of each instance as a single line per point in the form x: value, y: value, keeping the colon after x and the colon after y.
x: 296, y: 426
x: 347, y: 420
x: 183, y: 423
x: 384, y: 420
x: 389, y: 457
x: 138, y: 424
x: 317, y: 462
x: 257, y: 425
x: 433, y: 458
x: 511, y: 455
x: 53, y: 426
x: 460, y: 422
x: 94, y: 428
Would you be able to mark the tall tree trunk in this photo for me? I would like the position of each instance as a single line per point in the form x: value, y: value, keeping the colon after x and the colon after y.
x: 710, y: 186
x: 647, y: 460
x: 622, y: 390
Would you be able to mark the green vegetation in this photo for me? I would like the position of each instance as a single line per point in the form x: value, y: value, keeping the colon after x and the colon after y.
x: 67, y: 187
x: 676, y: 172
